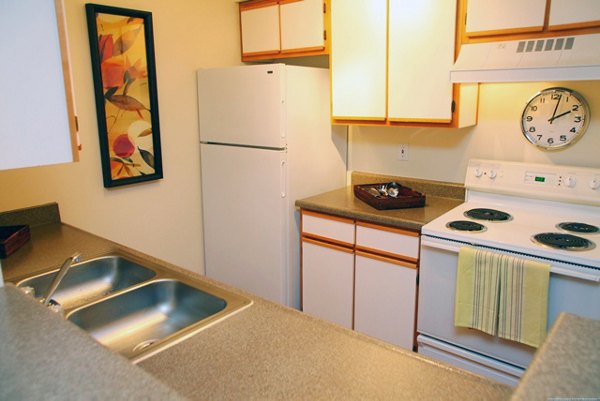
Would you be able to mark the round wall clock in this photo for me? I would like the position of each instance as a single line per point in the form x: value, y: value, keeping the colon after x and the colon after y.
x: 555, y: 118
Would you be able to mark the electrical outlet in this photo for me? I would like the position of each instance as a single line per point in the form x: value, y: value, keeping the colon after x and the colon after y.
x: 403, y: 152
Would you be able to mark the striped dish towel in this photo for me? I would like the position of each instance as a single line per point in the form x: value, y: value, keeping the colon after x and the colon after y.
x: 523, y: 308
x: 477, y: 290
x: 502, y: 295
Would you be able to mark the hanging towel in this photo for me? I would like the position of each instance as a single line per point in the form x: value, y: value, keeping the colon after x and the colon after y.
x: 502, y: 295
x: 477, y: 291
x: 523, y: 308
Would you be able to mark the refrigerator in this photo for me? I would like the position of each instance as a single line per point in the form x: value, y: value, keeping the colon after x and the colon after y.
x: 266, y: 139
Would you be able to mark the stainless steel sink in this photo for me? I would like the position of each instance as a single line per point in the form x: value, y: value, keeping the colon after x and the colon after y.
x: 144, y: 320
x: 91, y: 280
x: 134, y: 306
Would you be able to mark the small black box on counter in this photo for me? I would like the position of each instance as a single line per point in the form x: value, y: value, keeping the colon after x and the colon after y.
x: 12, y: 238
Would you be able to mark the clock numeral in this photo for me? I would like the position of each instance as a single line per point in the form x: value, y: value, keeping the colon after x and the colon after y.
x: 577, y: 119
x: 531, y: 129
x: 555, y: 96
x: 543, y: 100
x: 533, y: 108
x: 573, y: 130
x: 563, y: 138
x: 550, y: 141
x: 575, y: 107
x: 539, y: 137
x: 530, y: 119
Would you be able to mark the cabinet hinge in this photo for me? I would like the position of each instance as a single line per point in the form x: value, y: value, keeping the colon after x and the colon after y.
x: 417, y: 279
x: 324, y: 8
x: 453, y: 106
x: 324, y: 35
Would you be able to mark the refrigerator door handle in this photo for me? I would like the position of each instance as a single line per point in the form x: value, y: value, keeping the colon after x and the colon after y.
x: 283, y: 179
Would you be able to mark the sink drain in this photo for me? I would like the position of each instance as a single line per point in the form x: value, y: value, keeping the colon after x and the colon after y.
x: 144, y: 344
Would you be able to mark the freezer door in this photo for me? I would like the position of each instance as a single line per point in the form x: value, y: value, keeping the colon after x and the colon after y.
x: 243, y: 203
x: 242, y: 105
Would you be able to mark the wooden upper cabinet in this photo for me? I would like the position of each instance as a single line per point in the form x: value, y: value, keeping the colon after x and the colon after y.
x: 491, y: 20
x: 260, y: 28
x: 419, y: 60
x: 38, y: 109
x: 302, y: 25
x: 391, y: 61
x: 486, y: 17
x: 283, y: 28
x: 358, y: 60
x: 573, y: 14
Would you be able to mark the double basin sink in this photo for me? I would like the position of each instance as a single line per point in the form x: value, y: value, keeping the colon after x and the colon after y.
x: 135, y: 307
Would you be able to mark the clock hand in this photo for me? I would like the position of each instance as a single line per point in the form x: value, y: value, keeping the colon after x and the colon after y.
x: 560, y: 115
x: 555, y: 108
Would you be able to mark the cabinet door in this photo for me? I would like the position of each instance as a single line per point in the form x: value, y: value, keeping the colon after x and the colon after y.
x: 492, y: 16
x: 301, y: 25
x: 358, y: 59
x: 37, y: 108
x: 385, y: 299
x: 421, y: 54
x: 327, y: 282
x: 260, y: 28
x: 567, y: 14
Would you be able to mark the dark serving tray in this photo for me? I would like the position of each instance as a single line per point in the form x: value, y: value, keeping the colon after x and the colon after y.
x: 406, y: 198
x: 12, y: 238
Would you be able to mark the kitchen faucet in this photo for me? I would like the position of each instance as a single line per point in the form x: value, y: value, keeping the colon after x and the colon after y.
x: 59, y: 276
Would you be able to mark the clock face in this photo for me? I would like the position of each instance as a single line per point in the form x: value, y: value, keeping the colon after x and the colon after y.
x: 555, y: 118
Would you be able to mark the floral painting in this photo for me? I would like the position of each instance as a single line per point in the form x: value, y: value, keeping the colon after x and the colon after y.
x: 126, y: 98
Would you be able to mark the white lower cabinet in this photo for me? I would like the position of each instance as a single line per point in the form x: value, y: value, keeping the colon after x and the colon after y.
x: 384, y: 299
x: 327, y: 282
x: 360, y: 281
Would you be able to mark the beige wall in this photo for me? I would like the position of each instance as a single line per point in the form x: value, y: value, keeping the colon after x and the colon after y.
x: 442, y: 154
x: 161, y: 218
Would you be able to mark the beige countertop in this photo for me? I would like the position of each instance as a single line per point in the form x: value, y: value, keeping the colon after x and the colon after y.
x: 265, y: 351
x: 567, y: 365
x: 439, y: 198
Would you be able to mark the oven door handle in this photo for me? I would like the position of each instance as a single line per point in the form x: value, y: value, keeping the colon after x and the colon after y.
x: 553, y: 269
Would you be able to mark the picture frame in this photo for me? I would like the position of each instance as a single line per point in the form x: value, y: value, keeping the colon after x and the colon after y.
x: 124, y: 73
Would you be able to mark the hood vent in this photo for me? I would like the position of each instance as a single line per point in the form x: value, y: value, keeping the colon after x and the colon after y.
x: 564, y: 58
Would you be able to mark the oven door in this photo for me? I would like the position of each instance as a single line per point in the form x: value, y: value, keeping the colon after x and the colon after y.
x: 571, y: 289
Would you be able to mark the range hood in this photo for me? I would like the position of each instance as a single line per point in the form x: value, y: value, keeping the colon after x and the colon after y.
x: 560, y: 58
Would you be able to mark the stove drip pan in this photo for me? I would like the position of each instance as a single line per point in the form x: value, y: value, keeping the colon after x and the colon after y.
x: 562, y: 241
x: 466, y: 225
x: 488, y: 214
x: 576, y: 227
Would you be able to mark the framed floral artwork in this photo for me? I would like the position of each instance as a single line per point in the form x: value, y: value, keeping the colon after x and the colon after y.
x: 122, y: 50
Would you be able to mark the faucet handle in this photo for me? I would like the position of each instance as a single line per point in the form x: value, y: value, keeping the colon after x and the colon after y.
x: 76, y: 257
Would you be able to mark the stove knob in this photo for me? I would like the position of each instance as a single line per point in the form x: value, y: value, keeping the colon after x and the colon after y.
x: 595, y: 183
x: 492, y: 174
x: 478, y: 172
x: 570, y: 181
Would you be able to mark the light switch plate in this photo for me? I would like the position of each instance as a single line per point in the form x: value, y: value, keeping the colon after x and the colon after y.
x: 403, y: 152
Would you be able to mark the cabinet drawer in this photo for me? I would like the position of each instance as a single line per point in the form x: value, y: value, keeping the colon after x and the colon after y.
x: 329, y: 228
x: 387, y: 241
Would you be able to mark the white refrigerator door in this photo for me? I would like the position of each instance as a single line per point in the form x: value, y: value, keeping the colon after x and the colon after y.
x: 245, y: 219
x: 242, y: 105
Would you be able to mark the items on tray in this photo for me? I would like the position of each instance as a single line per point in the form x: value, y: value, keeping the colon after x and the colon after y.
x: 391, y: 195
x: 12, y: 238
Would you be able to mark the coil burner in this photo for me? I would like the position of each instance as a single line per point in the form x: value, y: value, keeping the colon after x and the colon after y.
x: 565, y: 242
x: 466, y: 225
x: 576, y: 227
x: 488, y: 214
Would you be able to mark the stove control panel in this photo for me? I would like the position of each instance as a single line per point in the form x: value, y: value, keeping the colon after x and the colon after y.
x: 552, y: 182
